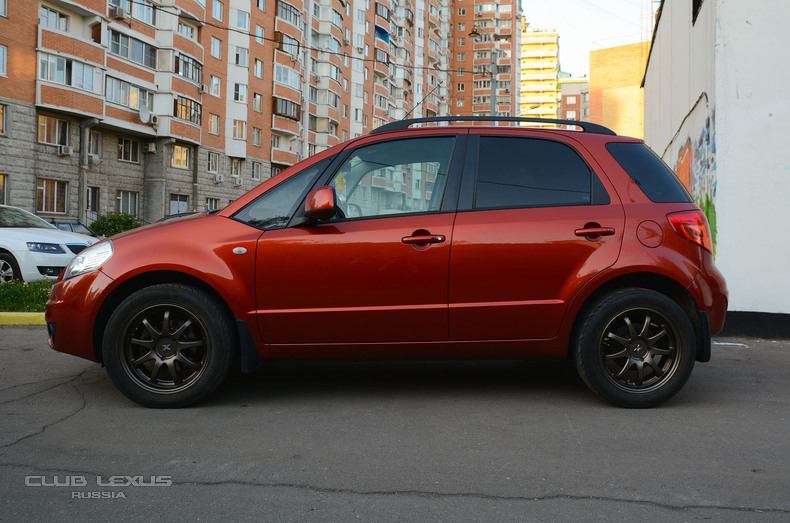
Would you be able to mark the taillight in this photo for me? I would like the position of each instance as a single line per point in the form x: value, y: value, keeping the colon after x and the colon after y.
x: 693, y: 226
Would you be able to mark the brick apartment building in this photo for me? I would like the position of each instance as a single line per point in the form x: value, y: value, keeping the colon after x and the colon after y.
x: 156, y: 107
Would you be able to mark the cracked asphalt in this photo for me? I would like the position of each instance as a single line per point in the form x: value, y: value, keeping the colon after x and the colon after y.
x: 408, y: 441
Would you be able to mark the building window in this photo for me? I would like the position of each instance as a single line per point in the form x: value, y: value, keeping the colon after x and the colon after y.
x: 2, y: 189
x: 187, y: 30
x: 256, y: 137
x: 3, y: 7
x: 3, y: 60
x: 142, y: 10
x: 127, y: 202
x: 52, y: 19
x: 94, y: 142
x: 216, y: 48
x: 52, y: 130
x: 261, y: 5
x: 216, y: 86
x: 236, y: 167
x: 257, y: 102
x: 212, y: 204
x: 289, y: 13
x: 51, y: 196
x: 239, y: 129
x: 128, y: 150
x: 258, y: 68
x: 2, y: 118
x: 287, y: 108
x: 570, y: 100
x: 242, y: 56
x: 242, y: 20
x: 213, y: 162
x: 287, y: 76
x: 132, y: 49
x: 570, y: 115
x: 257, y: 167
x: 180, y: 157
x: 239, y: 92
x: 179, y: 203
x: 186, y: 109
x: 189, y: 68
x: 459, y: 102
x: 62, y: 71
x: 213, y: 124
x: 216, y: 10
x: 259, y: 34
x: 122, y: 93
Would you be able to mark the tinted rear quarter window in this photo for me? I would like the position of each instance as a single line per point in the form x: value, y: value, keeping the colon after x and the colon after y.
x: 649, y: 172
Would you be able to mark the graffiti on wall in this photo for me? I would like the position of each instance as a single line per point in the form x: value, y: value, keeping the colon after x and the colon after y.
x: 696, y: 168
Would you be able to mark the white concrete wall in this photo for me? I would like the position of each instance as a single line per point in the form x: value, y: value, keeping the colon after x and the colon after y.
x: 715, y: 112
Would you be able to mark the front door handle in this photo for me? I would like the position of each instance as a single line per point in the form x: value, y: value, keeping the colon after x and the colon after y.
x: 423, y: 239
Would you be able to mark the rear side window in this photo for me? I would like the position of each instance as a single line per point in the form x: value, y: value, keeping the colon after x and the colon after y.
x: 527, y: 172
x: 649, y: 172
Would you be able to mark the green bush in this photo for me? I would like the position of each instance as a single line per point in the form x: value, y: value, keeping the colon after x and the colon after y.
x: 18, y: 296
x: 114, y: 223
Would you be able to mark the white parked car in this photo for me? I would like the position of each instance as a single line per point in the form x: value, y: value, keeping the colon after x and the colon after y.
x: 32, y: 249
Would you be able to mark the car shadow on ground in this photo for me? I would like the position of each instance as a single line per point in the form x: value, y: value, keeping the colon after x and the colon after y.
x: 386, y: 379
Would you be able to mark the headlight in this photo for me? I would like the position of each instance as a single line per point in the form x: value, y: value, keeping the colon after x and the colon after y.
x: 89, y: 260
x: 47, y: 248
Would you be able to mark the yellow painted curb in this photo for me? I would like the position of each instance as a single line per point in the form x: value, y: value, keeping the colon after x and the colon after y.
x: 22, y: 318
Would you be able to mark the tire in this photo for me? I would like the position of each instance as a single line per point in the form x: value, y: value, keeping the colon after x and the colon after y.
x: 168, y: 346
x: 636, y: 348
x: 9, y: 269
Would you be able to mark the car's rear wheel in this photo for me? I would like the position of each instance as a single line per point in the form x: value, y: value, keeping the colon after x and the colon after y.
x: 9, y: 269
x: 636, y: 348
x: 168, y: 346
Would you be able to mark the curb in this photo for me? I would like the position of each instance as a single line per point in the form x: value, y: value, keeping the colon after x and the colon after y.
x: 22, y: 318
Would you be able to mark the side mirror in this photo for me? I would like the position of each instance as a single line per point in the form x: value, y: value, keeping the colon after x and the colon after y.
x: 320, y: 204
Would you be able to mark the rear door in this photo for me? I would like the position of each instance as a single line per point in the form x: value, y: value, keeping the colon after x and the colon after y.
x: 535, y: 222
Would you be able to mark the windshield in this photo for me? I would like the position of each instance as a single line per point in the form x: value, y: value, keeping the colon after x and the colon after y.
x: 10, y: 217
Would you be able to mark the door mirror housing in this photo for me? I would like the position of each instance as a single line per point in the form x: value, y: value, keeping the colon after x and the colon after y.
x: 321, y: 204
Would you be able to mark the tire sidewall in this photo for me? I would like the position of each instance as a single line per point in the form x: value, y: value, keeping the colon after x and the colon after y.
x: 600, y: 315
x: 16, y: 272
x: 213, y: 321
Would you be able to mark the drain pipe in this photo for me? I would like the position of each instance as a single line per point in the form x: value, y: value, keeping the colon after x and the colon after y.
x: 85, y: 129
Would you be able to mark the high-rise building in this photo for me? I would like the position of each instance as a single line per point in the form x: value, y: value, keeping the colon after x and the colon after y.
x: 540, y: 67
x: 485, y: 39
x: 154, y: 107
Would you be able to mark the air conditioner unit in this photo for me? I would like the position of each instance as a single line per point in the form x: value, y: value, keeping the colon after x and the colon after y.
x: 219, y: 178
x: 65, y: 150
x: 150, y: 147
x: 203, y: 88
x: 154, y: 120
x: 94, y: 158
x: 118, y: 12
x: 237, y: 182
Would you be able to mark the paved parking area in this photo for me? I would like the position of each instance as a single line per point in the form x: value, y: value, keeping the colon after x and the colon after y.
x: 411, y: 441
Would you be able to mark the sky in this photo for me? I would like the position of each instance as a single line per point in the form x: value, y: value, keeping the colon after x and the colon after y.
x: 587, y: 25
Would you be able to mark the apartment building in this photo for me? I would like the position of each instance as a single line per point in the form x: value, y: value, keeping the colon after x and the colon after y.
x: 485, y: 57
x: 574, y: 99
x: 154, y: 107
x: 540, y: 67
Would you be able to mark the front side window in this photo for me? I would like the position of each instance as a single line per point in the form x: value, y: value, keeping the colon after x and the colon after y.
x: 382, y: 178
x: 525, y: 172
x: 53, y: 131
x: 273, y: 209
x: 51, y: 196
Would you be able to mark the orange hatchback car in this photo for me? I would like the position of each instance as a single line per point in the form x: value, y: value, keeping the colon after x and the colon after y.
x: 429, y: 241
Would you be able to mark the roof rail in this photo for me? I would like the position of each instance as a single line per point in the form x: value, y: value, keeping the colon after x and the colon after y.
x: 400, y: 125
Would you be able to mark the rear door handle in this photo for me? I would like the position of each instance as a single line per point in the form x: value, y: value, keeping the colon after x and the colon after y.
x: 594, y: 232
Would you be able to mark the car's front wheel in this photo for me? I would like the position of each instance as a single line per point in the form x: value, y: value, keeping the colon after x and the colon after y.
x: 9, y: 269
x: 635, y: 348
x: 168, y: 346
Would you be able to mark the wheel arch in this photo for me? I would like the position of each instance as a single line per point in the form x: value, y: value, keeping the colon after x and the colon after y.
x: 655, y: 282
x: 148, y: 279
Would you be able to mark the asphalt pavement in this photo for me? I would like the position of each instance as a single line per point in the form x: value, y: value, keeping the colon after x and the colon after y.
x: 395, y: 441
